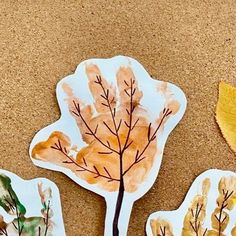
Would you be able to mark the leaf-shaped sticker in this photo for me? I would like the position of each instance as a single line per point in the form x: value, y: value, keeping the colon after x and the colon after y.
x: 110, y: 138
x: 208, y: 209
x: 34, y: 211
x: 226, y: 113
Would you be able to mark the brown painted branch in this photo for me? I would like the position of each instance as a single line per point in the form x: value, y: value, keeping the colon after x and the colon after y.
x: 196, y: 223
x: 93, y: 133
x: 97, y: 174
x: 224, y: 204
x: 105, y: 95
x: 139, y: 155
x: 163, y: 231
x: 39, y: 231
x: 47, y: 219
x: 130, y: 112
x: 109, y: 128
x: 4, y: 231
x: 204, y: 232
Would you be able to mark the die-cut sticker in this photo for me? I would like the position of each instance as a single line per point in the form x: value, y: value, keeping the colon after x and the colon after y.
x: 110, y: 138
x: 29, y: 207
x: 208, y: 209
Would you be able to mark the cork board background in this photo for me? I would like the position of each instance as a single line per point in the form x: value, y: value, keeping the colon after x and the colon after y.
x: 189, y: 43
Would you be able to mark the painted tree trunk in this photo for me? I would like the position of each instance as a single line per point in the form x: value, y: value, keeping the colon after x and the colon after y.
x: 118, y: 208
x: 117, y: 218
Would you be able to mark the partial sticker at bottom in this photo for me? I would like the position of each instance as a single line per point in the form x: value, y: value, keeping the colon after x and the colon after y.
x: 208, y: 209
x: 29, y: 207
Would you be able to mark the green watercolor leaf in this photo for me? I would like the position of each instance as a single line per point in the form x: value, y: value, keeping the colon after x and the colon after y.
x: 8, y: 198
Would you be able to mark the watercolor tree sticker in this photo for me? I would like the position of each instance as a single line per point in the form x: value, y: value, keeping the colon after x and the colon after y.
x: 208, y: 209
x: 110, y: 138
x: 34, y: 211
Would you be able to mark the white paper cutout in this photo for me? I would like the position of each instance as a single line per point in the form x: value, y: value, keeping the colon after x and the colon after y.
x: 120, y: 87
x: 208, y: 209
x: 29, y: 207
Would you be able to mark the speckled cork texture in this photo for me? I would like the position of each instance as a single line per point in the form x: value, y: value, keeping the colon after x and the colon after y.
x: 189, y: 43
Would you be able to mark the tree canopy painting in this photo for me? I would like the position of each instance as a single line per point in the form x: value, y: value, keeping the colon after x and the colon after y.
x: 110, y: 138
x: 36, y: 211
x: 208, y: 209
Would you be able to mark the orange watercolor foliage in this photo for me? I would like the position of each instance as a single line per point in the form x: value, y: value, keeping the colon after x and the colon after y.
x: 115, y: 127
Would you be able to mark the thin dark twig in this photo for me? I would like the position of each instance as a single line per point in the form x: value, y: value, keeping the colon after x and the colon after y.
x: 195, y: 224
x: 224, y: 204
x: 135, y: 123
x: 85, y: 162
x: 4, y: 231
x: 105, y: 153
x: 47, y: 219
x: 204, y: 233
x: 119, y: 125
x: 14, y: 225
x: 107, y: 172
x: 127, y: 93
x: 163, y: 231
x: 114, y: 133
x: 39, y: 231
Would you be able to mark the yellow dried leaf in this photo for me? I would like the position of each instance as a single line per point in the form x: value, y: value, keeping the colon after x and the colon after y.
x: 226, y: 113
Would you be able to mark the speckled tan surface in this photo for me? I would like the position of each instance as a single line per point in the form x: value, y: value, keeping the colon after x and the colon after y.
x: 189, y: 43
